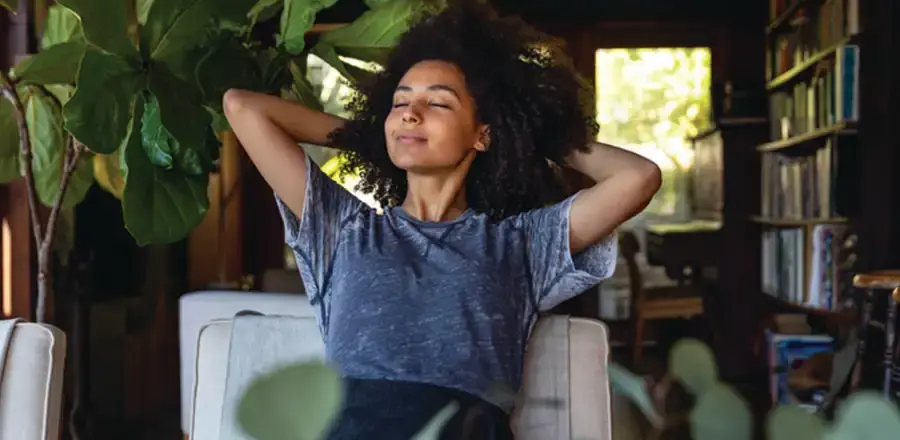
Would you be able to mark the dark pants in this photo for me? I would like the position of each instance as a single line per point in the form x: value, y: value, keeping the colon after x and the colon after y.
x: 391, y: 410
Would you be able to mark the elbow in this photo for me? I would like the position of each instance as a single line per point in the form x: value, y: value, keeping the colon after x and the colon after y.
x: 235, y: 102
x: 649, y: 178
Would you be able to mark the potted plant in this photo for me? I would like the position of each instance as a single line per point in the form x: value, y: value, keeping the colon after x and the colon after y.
x: 128, y: 95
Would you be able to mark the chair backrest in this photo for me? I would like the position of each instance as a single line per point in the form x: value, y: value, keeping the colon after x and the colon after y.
x: 565, y: 391
x: 32, y: 383
x: 196, y: 309
x: 566, y: 381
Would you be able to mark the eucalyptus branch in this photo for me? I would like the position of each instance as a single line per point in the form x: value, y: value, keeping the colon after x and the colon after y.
x: 8, y: 88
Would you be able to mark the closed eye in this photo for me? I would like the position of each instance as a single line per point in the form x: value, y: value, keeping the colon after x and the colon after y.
x: 400, y: 104
x: 435, y: 104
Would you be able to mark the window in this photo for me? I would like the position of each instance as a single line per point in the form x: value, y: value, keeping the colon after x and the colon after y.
x: 649, y: 101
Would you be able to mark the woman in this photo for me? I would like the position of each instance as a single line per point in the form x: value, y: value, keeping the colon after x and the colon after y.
x: 458, y: 138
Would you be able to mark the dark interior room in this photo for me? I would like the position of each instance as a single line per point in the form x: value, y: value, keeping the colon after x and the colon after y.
x: 754, y: 295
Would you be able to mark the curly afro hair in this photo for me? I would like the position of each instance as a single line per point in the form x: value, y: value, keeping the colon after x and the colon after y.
x: 525, y: 90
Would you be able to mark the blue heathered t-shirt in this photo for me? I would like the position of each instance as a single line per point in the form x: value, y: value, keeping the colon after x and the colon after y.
x: 449, y: 303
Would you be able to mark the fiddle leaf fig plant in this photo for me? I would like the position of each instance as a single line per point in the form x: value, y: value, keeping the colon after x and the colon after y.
x: 127, y: 94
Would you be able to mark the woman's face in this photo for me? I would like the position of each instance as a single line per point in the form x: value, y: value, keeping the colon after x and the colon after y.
x: 432, y: 125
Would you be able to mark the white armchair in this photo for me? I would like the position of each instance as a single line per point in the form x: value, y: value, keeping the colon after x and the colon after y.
x: 566, y: 361
x: 32, y: 359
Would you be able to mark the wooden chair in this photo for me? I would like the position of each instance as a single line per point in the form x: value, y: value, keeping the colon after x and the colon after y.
x: 654, y: 303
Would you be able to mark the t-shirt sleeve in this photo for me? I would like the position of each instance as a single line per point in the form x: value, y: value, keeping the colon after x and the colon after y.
x: 314, y: 235
x: 556, y: 275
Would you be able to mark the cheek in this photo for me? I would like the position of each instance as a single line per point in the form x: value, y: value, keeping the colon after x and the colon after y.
x: 389, y: 122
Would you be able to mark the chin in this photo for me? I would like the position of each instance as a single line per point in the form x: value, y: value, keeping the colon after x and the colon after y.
x: 407, y: 161
x: 419, y: 162
x: 403, y: 162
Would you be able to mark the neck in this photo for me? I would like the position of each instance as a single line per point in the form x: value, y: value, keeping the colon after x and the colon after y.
x: 436, y: 197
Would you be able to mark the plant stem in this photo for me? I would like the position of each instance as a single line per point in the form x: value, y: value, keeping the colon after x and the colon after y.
x: 43, y: 239
x: 73, y: 152
x: 8, y: 88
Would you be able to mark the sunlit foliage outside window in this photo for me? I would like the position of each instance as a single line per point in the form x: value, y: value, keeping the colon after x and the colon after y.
x: 650, y: 101
x: 334, y: 92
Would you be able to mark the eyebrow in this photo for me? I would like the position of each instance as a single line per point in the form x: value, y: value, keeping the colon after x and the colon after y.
x: 433, y: 87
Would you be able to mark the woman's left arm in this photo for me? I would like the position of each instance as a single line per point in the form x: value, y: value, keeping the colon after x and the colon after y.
x: 624, y: 184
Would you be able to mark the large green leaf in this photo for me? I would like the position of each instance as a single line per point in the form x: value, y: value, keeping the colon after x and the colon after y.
x: 9, y: 142
x: 105, y: 25
x: 62, y: 92
x: 174, y: 27
x: 275, y: 74
x: 182, y: 126
x: 98, y: 113
x: 264, y: 10
x: 48, y: 145
x: 328, y: 54
x: 226, y: 64
x: 635, y: 389
x: 57, y: 64
x: 301, y: 90
x: 143, y: 10
x: 371, y: 36
x: 297, y: 19
x: 62, y: 26
x: 720, y: 413
x: 297, y: 402
x: 789, y: 422
x: 432, y: 430
x: 159, y: 145
x: 694, y: 365
x: 866, y: 415
x: 9, y: 5
x: 108, y: 173
x: 158, y: 206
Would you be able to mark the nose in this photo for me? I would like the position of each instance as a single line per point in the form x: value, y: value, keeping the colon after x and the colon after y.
x: 411, y: 115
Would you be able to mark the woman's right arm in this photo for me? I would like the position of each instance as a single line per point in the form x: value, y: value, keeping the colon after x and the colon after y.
x: 269, y: 129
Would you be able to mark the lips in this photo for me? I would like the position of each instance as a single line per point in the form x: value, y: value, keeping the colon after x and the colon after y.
x: 411, y: 138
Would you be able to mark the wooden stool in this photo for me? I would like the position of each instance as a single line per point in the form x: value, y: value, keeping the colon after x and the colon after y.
x: 880, y: 281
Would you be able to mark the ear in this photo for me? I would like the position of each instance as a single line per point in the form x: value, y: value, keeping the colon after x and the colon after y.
x: 484, y: 139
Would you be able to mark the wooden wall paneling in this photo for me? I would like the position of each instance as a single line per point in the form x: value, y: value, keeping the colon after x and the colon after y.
x: 217, y: 243
x: 743, y: 64
x: 263, y: 237
x: 878, y: 223
x: 19, y: 253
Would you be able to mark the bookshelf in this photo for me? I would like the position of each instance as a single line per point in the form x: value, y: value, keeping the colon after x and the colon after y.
x: 808, y: 166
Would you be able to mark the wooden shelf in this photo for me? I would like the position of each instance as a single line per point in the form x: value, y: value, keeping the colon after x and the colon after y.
x: 841, y: 128
x: 809, y: 63
x: 846, y: 316
x: 734, y: 122
x: 799, y: 222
